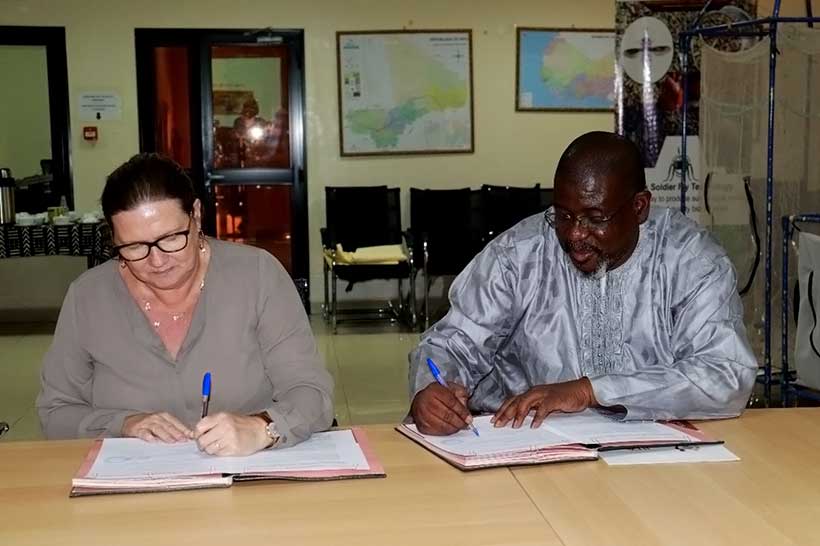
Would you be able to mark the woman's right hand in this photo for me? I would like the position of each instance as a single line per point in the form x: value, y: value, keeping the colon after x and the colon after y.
x: 156, y: 427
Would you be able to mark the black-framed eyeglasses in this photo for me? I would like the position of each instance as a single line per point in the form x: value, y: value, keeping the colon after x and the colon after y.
x: 173, y: 242
x: 561, y: 219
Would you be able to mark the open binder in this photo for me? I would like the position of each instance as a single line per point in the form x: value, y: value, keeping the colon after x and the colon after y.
x: 562, y: 437
x: 129, y: 465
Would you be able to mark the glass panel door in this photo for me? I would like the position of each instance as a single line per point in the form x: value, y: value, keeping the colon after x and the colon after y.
x: 249, y: 86
x: 229, y: 107
x: 250, y: 162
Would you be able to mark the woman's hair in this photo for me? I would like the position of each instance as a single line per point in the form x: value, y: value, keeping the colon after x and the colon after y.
x: 143, y: 179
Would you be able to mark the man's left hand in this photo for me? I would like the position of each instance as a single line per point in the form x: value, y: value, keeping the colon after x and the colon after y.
x: 569, y: 397
x: 226, y: 434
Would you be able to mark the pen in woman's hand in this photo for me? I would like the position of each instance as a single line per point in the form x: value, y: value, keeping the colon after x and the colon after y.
x: 206, y: 393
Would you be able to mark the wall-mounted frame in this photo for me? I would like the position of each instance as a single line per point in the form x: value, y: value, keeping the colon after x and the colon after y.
x: 405, y: 92
x: 565, y: 69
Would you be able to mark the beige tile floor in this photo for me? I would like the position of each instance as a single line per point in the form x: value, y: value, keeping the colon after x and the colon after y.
x: 368, y: 362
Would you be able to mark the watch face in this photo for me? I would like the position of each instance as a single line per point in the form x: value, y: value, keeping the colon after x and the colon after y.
x: 272, y: 432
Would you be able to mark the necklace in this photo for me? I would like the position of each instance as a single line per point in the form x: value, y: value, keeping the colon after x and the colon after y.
x: 175, y: 316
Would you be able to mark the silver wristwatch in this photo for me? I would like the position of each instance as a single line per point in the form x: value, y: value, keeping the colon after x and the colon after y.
x: 271, y: 430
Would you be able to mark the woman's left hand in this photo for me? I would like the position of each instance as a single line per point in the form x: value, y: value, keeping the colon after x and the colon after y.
x: 229, y: 435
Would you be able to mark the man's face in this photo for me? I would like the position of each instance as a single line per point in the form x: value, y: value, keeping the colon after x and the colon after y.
x: 597, y: 220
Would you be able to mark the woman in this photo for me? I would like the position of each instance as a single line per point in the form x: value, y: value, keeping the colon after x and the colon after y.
x: 136, y: 335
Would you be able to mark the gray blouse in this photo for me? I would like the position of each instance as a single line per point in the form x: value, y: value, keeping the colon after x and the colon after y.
x: 249, y: 330
x: 662, y: 335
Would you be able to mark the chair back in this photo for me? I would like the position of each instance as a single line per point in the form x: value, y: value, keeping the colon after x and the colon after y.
x: 446, y: 219
x: 363, y: 216
x: 505, y: 206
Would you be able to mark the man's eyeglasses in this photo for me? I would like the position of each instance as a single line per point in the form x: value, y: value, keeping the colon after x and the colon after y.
x: 560, y: 219
x: 173, y: 242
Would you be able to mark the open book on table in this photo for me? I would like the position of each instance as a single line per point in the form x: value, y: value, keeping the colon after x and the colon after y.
x: 561, y: 437
x: 129, y: 465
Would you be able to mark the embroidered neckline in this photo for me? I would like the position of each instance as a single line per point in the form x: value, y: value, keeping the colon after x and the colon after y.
x: 600, y: 302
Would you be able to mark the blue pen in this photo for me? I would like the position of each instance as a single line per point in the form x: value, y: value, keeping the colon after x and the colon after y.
x: 437, y: 375
x: 206, y: 393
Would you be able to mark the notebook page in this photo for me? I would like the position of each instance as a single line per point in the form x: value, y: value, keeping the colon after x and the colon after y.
x: 124, y: 458
x: 592, y: 427
x: 587, y: 427
x: 495, y: 440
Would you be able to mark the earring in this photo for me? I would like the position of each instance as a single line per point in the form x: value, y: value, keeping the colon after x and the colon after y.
x: 122, y: 264
x: 201, y: 236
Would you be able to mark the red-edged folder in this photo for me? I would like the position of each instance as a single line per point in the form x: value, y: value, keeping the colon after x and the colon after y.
x: 85, y: 484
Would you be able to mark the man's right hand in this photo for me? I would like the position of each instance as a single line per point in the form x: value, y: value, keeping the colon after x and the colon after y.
x: 441, y: 411
x: 156, y: 427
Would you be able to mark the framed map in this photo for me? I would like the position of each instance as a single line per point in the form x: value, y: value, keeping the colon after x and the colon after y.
x: 565, y: 69
x: 405, y: 92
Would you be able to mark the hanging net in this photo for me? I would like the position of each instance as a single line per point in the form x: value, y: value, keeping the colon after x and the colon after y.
x: 733, y: 140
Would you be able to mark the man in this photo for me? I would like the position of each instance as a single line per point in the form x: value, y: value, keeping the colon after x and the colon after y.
x: 599, y: 303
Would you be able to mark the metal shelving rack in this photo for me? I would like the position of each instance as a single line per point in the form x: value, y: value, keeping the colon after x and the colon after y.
x: 748, y: 29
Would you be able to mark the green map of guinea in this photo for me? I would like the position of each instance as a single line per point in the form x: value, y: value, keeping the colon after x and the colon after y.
x: 421, y: 86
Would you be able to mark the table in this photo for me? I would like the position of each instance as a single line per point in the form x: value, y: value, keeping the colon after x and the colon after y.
x: 422, y: 501
x: 771, y: 497
x: 90, y: 240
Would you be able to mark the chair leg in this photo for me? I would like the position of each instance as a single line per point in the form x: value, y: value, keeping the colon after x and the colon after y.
x: 412, y: 297
x: 426, y: 287
x: 325, y: 306
x: 333, y: 302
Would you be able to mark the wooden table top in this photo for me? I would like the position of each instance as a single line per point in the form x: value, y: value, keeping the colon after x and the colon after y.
x: 422, y: 501
x: 771, y: 497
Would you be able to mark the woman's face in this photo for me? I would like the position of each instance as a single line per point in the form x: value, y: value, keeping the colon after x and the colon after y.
x: 151, y: 221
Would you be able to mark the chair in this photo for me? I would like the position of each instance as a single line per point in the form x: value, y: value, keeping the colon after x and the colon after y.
x: 446, y: 233
x: 359, y: 217
x: 505, y: 206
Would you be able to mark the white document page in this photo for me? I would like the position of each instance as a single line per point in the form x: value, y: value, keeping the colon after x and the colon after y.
x: 495, y: 440
x: 587, y: 427
x: 592, y: 427
x: 663, y: 455
x: 121, y: 458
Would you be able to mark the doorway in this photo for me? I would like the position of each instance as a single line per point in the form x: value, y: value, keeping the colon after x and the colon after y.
x: 34, y: 120
x: 228, y: 105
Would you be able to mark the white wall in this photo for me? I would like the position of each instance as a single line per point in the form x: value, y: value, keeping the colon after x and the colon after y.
x: 510, y: 148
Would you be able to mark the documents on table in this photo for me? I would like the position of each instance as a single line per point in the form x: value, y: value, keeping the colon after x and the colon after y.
x: 562, y: 437
x: 663, y: 455
x: 129, y: 464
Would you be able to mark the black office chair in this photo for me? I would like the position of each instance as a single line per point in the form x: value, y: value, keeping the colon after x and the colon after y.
x: 547, y: 197
x: 360, y: 217
x: 446, y: 233
x: 505, y: 206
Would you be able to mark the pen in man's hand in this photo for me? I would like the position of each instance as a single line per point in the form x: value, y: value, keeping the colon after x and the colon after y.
x: 437, y: 375
x: 206, y: 393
